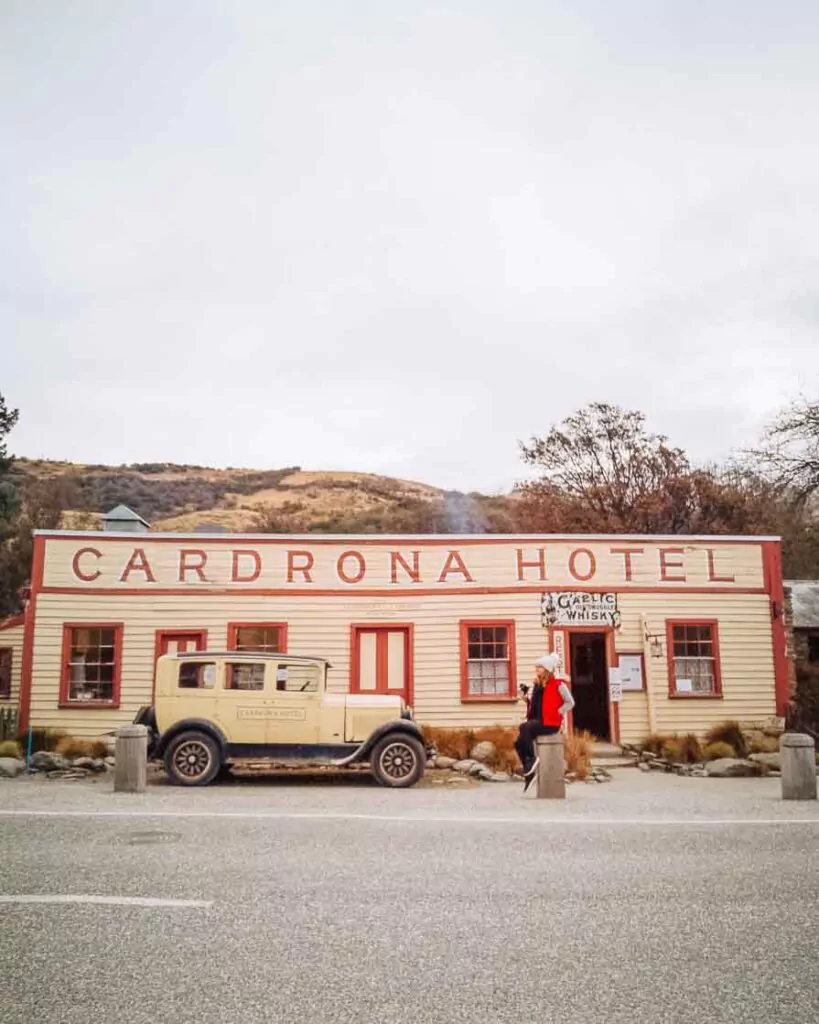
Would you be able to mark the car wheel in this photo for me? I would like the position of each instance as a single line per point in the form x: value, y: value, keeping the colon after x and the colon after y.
x: 192, y: 759
x: 398, y: 761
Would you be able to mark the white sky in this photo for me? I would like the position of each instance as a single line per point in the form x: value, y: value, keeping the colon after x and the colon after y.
x: 399, y: 237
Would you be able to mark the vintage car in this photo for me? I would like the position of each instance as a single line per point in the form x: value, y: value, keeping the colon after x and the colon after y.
x: 211, y: 709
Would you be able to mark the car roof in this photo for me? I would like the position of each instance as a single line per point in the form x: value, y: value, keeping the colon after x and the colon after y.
x: 252, y: 655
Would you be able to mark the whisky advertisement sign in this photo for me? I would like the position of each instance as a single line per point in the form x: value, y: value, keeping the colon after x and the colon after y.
x: 579, y: 608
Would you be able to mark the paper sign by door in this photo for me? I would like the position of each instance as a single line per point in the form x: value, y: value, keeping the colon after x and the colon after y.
x: 615, y: 686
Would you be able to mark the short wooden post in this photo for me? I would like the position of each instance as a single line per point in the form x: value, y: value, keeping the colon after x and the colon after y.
x: 131, y: 769
x: 551, y: 780
x: 798, y: 755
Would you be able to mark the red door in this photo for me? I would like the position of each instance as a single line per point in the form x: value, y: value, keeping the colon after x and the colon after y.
x: 178, y: 641
x: 382, y: 660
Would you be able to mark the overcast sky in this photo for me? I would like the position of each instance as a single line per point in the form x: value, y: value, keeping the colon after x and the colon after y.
x: 398, y: 237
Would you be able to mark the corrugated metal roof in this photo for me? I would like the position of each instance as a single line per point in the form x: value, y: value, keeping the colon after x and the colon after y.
x: 805, y: 602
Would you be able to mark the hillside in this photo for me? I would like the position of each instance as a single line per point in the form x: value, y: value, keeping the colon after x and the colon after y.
x: 184, y: 498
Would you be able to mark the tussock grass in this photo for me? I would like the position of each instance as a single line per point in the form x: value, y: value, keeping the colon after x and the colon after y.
x: 714, y: 751
x: 730, y: 733
x: 71, y: 747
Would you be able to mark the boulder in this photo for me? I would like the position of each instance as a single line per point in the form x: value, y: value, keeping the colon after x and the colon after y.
x: 483, y: 751
x: 731, y: 768
x: 82, y: 762
x: 11, y: 767
x: 444, y: 762
x: 644, y: 767
x: 44, y: 761
x: 501, y: 777
x: 769, y: 760
x: 464, y: 766
x: 110, y: 761
x: 480, y: 771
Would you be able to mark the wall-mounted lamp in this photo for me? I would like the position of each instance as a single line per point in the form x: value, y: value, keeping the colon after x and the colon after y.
x: 654, y: 642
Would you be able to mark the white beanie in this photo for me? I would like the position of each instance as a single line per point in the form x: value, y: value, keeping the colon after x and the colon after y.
x: 551, y: 662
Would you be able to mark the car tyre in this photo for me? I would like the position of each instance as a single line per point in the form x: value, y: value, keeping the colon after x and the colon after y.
x: 193, y: 759
x: 398, y: 761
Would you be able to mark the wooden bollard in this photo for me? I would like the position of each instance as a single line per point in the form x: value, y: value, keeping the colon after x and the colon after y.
x: 131, y: 768
x: 551, y: 780
x: 798, y: 756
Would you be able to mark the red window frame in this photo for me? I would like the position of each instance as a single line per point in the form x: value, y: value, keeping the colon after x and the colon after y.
x: 6, y: 668
x: 483, y: 698
x: 713, y: 625
x: 65, y: 669
x: 234, y: 627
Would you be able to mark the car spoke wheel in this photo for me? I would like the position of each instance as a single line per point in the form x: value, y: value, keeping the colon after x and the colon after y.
x: 192, y: 759
x: 398, y: 761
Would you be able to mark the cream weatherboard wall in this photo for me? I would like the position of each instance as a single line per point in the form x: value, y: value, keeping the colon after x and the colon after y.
x: 11, y: 637
x: 321, y: 588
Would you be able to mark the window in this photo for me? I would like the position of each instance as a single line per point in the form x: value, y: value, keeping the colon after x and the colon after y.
x: 693, y: 653
x: 257, y: 636
x: 92, y: 657
x: 297, y: 678
x: 487, y: 661
x: 813, y: 647
x: 244, y: 676
x: 197, y: 675
x: 5, y: 672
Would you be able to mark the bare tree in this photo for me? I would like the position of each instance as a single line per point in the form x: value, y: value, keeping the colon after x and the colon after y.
x: 790, y: 450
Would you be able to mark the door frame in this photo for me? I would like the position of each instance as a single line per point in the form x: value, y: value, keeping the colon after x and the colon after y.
x: 159, y: 634
x: 407, y: 628
x: 611, y: 661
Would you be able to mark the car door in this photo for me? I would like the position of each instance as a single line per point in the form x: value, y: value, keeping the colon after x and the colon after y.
x: 296, y: 702
x: 243, y: 703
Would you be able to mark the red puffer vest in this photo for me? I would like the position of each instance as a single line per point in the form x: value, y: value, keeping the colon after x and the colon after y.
x: 546, y: 702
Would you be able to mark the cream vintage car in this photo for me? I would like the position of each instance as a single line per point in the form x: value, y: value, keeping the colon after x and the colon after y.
x: 212, y: 709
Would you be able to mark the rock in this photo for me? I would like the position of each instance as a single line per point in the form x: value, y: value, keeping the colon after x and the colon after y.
x: 98, y: 765
x: 11, y: 767
x: 500, y: 777
x: 769, y: 760
x: 444, y: 762
x: 647, y: 756
x: 455, y: 779
x: 644, y: 767
x: 731, y: 768
x: 774, y: 774
x: 111, y: 762
x: 483, y: 751
x: 660, y: 766
x: 480, y: 771
x: 464, y: 766
x: 82, y: 762
x: 44, y: 761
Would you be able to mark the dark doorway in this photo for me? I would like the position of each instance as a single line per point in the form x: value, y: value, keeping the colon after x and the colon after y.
x: 590, y: 683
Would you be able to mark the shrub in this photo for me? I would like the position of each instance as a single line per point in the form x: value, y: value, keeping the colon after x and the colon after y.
x: 71, y: 746
x: 10, y: 748
x: 730, y: 733
x: 713, y: 751
x: 764, y: 745
x: 670, y: 750
x: 450, y: 742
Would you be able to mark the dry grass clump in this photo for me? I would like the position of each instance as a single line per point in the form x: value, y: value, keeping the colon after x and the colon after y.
x: 41, y: 739
x: 11, y: 748
x: 730, y: 733
x: 714, y: 751
x: 654, y: 743
x: 764, y: 745
x: 577, y: 750
x: 71, y: 747
x: 690, y: 749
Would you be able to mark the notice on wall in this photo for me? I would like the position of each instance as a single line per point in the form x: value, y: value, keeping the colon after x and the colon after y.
x: 631, y: 671
x: 579, y: 608
x: 559, y: 648
x: 615, y: 686
x: 685, y: 686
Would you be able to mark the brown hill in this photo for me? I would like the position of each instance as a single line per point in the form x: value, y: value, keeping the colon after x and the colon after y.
x: 184, y: 498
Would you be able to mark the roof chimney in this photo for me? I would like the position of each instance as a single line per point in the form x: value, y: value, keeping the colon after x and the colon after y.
x: 124, y: 520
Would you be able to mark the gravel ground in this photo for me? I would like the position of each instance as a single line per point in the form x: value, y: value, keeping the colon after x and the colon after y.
x: 647, y: 899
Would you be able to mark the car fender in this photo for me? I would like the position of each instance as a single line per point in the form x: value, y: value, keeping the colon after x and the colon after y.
x: 400, y: 725
x: 192, y: 725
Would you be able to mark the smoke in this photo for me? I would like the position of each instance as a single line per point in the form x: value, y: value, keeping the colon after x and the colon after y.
x: 463, y: 514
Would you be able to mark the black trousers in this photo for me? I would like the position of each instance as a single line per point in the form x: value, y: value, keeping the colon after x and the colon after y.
x: 525, y: 743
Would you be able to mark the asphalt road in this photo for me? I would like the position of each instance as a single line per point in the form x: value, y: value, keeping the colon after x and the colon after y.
x: 646, y: 900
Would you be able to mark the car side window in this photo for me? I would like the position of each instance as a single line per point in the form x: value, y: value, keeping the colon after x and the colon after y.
x: 243, y: 676
x: 297, y: 678
x: 197, y: 675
